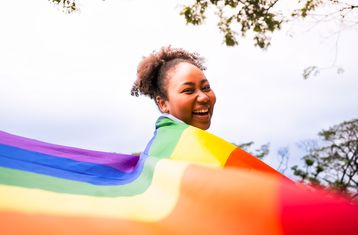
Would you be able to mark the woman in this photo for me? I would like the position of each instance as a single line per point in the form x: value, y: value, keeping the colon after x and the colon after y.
x: 175, y: 80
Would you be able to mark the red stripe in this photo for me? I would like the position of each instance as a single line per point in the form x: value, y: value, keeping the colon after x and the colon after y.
x: 310, y: 211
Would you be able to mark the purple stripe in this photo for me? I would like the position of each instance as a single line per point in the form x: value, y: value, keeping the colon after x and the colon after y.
x: 122, y: 162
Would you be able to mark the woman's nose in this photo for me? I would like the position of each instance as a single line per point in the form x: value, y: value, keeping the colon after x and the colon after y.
x: 203, y: 97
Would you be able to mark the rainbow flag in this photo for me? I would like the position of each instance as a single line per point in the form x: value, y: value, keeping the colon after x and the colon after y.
x: 187, y: 181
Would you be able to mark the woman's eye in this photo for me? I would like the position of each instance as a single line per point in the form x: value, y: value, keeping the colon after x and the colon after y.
x: 188, y: 91
x: 206, y: 88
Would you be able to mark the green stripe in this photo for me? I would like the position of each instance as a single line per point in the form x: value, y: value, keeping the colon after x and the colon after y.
x: 49, y: 183
x: 166, y: 138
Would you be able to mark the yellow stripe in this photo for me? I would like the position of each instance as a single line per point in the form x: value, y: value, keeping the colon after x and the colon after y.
x: 201, y: 147
x: 152, y: 205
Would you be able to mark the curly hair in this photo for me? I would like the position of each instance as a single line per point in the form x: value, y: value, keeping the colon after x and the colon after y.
x: 153, y: 70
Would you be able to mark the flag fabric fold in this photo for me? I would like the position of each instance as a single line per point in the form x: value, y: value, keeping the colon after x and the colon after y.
x: 187, y: 181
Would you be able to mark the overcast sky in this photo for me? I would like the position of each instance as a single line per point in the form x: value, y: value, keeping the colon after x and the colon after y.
x: 66, y: 79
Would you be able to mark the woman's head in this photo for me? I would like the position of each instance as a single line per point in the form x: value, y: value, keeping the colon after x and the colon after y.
x: 174, y: 79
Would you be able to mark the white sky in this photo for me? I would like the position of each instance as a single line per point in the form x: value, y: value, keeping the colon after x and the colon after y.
x: 66, y: 79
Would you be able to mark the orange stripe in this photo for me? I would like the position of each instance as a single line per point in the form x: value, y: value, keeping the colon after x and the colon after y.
x: 227, y: 201
x: 241, y: 159
x: 30, y: 224
x: 211, y: 201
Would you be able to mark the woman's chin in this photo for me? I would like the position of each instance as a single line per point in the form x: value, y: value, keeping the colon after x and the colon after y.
x: 201, y: 123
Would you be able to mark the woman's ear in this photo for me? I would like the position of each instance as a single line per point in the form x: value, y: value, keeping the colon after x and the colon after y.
x: 162, y: 104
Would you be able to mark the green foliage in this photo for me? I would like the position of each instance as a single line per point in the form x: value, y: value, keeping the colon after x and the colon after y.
x: 195, y: 14
x: 334, y: 164
x: 238, y: 17
x: 259, y: 17
x: 248, y: 16
x: 308, y: 6
x: 67, y: 6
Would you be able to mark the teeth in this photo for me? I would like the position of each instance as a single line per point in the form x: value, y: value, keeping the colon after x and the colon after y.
x: 201, y: 111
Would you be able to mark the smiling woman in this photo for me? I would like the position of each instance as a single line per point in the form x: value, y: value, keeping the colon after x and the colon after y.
x: 174, y: 79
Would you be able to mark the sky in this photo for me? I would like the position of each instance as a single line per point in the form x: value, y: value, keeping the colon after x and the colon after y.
x: 66, y: 79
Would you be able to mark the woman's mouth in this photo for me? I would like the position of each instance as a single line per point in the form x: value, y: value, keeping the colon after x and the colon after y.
x: 201, y: 112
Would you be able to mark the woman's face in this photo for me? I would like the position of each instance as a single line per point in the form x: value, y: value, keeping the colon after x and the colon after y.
x: 189, y: 96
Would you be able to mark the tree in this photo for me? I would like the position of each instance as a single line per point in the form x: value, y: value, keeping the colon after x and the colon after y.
x: 283, y: 154
x: 260, y: 152
x: 260, y: 17
x: 334, y: 164
x: 250, y: 15
x: 263, y: 17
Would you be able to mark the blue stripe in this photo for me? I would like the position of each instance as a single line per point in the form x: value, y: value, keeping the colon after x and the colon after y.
x: 20, y: 159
